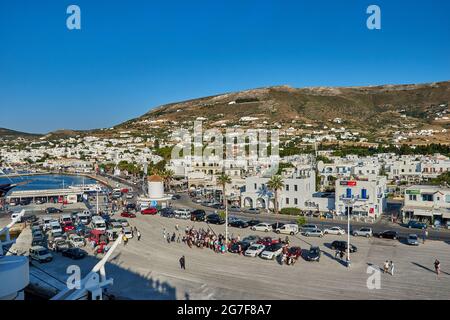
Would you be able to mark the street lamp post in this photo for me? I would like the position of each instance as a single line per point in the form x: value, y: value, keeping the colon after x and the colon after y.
x: 226, y: 223
x: 348, y: 202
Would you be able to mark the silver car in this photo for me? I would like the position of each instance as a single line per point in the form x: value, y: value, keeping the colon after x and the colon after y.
x: 363, y: 232
x: 413, y: 240
x: 313, y: 233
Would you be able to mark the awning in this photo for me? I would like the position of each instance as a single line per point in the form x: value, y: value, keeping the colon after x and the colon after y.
x: 423, y: 213
x: 446, y: 214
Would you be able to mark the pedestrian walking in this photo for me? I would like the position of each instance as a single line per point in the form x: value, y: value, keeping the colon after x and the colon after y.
x: 336, y: 254
x: 341, y: 254
x: 176, y: 227
x: 168, y: 237
x: 424, y: 235
x: 437, y: 267
x: 164, y: 234
x: 138, y: 235
x: 386, y: 267
x: 183, y: 262
x: 391, y: 266
x: 125, y: 240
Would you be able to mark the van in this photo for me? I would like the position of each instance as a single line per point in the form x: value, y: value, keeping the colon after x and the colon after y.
x: 40, y: 254
x: 291, y: 229
x: 98, y: 223
x: 83, y: 217
x: 65, y: 219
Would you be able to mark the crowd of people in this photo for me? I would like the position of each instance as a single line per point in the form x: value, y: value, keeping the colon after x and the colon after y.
x: 202, y: 238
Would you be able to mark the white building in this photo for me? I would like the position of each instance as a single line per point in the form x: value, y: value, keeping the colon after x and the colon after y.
x: 427, y: 203
x: 299, y: 191
x: 368, y: 193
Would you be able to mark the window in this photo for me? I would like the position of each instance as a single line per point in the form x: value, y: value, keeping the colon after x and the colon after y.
x: 287, y: 200
x: 256, y: 186
x: 413, y: 197
x: 447, y: 198
x: 296, y: 201
x: 427, y: 197
x: 295, y: 187
x: 287, y: 187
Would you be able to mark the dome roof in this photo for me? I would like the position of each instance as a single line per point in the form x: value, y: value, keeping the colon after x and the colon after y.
x: 155, y: 178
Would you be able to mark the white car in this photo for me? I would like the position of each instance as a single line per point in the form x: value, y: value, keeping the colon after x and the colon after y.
x: 129, y: 196
x: 76, y: 241
x: 271, y: 252
x: 40, y: 254
x: 127, y: 232
x: 254, y: 250
x: 262, y: 227
x: 334, y: 230
x: 182, y: 213
x: 413, y: 240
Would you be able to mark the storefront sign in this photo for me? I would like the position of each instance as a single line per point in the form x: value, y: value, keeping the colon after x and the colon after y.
x: 348, y: 183
x: 412, y: 191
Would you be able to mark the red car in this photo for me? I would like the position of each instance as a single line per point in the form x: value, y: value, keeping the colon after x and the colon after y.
x: 68, y: 227
x: 127, y: 215
x: 149, y: 211
x: 267, y: 241
x: 294, y: 252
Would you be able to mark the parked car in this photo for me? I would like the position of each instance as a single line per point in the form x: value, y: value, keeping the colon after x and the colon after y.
x: 254, y: 250
x: 131, y: 206
x: 129, y: 196
x: 334, y: 230
x: 128, y: 232
x: 167, y: 212
x: 251, y: 239
x: 267, y: 241
x: 151, y: 211
x: 182, y: 213
x: 197, y: 200
x: 262, y: 227
x: 288, y: 228
x: 74, y: 253
x: 363, y: 232
x: 215, y: 219
x: 313, y: 233
x: 277, y: 225
x: 253, y: 210
x: 198, y: 215
x: 176, y: 197
x: 38, y: 235
x: 68, y: 227
x: 413, y: 240
x: 59, y: 245
x: 238, y: 224
x: 272, y: 251
x: 76, y: 241
x: 123, y: 222
x: 234, y: 248
x: 388, y: 234
x: 342, y: 246
x: 52, y: 210
x: 412, y: 224
x: 126, y: 214
x: 313, y: 254
x: 40, y: 254
x: 307, y: 227
x: 218, y: 206
x: 328, y: 215
x: 252, y: 223
x: 234, y: 208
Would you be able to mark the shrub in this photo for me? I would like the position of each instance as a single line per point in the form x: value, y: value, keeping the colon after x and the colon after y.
x: 291, y: 211
x: 301, y: 221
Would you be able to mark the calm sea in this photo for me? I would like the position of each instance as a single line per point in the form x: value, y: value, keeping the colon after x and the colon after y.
x: 47, y: 182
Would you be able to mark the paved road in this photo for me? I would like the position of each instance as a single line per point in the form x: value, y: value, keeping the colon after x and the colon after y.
x: 380, y: 226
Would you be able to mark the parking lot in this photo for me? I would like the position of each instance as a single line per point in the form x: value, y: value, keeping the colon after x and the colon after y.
x: 149, y: 268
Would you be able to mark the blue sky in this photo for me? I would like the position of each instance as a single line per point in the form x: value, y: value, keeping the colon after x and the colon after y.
x: 131, y: 56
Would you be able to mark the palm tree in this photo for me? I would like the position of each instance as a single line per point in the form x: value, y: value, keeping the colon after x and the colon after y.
x: 276, y: 183
x: 167, y: 176
x: 223, y: 179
